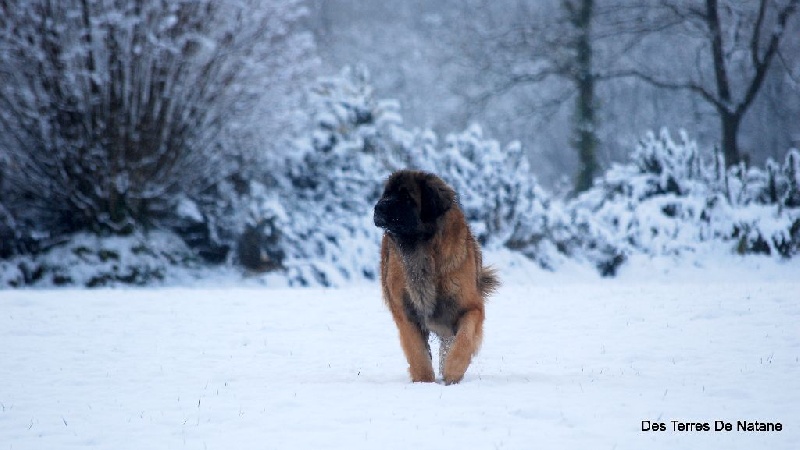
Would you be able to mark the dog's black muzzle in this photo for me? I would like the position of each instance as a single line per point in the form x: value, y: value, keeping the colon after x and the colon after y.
x: 381, y: 211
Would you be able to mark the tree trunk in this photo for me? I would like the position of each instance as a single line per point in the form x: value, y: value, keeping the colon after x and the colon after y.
x: 585, y: 120
x: 586, y: 139
x: 730, y: 145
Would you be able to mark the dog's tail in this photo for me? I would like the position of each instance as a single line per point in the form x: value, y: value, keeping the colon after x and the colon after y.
x: 488, y: 281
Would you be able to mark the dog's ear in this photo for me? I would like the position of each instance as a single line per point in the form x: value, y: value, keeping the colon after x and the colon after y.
x: 436, y: 197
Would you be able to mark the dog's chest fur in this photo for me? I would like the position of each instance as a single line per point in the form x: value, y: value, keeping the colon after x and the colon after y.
x: 420, y: 277
x: 435, y: 311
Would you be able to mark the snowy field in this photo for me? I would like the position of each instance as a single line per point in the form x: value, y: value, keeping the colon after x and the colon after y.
x: 570, y: 361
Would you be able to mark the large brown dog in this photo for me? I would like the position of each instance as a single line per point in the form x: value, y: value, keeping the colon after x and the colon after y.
x: 431, y: 273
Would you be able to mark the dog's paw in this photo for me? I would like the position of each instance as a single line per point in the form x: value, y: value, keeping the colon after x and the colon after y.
x: 452, y: 376
x: 423, y: 380
x: 452, y: 380
x: 422, y: 376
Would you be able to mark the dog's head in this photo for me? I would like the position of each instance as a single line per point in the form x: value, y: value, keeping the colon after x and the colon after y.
x: 412, y: 203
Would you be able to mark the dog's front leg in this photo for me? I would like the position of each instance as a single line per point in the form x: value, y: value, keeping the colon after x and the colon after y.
x: 414, y: 341
x: 465, y: 345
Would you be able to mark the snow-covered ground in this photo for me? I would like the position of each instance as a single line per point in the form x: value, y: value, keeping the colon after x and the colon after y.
x: 569, y: 361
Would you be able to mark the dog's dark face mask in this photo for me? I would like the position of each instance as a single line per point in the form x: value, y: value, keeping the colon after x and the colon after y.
x: 397, y: 211
x: 410, y: 205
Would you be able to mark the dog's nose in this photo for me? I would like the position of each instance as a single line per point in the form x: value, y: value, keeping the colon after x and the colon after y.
x: 379, y: 216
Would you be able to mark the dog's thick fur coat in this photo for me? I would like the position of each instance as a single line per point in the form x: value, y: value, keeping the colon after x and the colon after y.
x: 432, y: 275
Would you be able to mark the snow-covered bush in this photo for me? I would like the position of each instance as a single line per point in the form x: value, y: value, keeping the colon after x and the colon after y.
x: 114, y: 111
x: 90, y: 261
x: 668, y: 201
x: 216, y: 222
x: 788, y: 188
x: 776, y: 184
x: 332, y: 181
x: 764, y: 207
x: 644, y: 204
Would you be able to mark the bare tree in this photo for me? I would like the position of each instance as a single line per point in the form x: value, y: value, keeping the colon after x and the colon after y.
x: 731, y: 47
x: 551, y: 47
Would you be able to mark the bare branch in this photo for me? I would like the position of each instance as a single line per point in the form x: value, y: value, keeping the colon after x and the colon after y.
x: 755, y: 42
x: 762, y: 67
x: 512, y: 82
x: 665, y: 84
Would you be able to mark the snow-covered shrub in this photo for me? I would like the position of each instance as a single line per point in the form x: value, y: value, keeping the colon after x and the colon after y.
x: 764, y: 216
x: 113, y: 111
x: 775, y: 184
x: 216, y: 222
x: 665, y: 166
x: 332, y: 181
x: 788, y: 189
x: 91, y: 261
x: 667, y: 200
x: 761, y: 229
x: 779, y: 184
x: 639, y: 206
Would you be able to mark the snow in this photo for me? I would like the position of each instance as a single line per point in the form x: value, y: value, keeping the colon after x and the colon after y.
x: 188, y: 209
x: 570, y: 360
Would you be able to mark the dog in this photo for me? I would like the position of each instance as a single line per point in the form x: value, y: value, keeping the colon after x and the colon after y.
x: 432, y: 275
